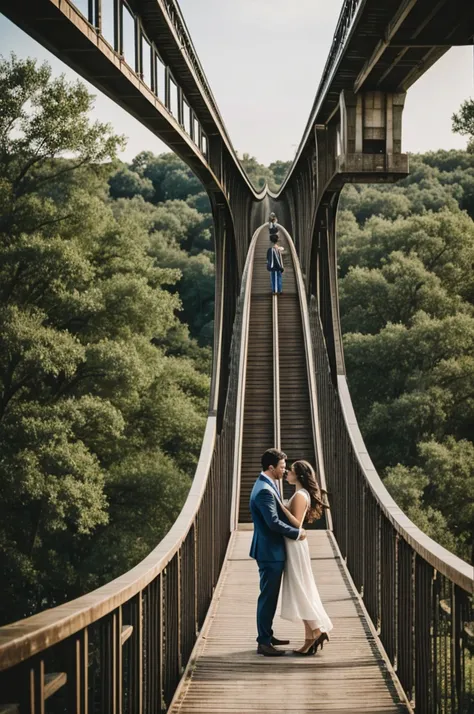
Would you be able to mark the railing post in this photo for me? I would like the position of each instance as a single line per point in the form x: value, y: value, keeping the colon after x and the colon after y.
x: 388, y: 629
x: 153, y: 664
x: 196, y: 576
x: 135, y: 667
x: 118, y: 27
x: 405, y: 597
x: 160, y: 643
x: 75, y: 654
x: 180, y: 117
x: 454, y: 648
x: 167, y: 89
x: 98, y: 16
x: 110, y: 661
x: 37, y: 703
x: 423, y: 611
x: 118, y: 660
x: 138, y: 47
x: 171, y: 620
x: 212, y: 515
x: 179, y: 567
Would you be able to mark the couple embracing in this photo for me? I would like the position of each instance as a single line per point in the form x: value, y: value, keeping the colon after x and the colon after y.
x: 281, y: 550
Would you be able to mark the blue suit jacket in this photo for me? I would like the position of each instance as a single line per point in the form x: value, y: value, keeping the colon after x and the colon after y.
x: 270, y: 524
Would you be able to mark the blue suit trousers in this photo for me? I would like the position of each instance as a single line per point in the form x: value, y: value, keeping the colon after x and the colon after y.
x: 270, y: 581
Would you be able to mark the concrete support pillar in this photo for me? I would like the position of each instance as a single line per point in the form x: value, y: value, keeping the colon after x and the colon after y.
x: 374, y: 131
x: 398, y: 102
x: 371, y: 122
x: 371, y: 133
x: 348, y: 104
x: 359, y: 125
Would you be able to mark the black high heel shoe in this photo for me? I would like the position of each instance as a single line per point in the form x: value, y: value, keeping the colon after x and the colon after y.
x: 323, y: 637
x: 307, y: 652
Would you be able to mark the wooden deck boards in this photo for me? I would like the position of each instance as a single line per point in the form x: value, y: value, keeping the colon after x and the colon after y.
x: 348, y: 676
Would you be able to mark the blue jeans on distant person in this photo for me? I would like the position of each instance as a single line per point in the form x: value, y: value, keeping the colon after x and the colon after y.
x: 275, y: 277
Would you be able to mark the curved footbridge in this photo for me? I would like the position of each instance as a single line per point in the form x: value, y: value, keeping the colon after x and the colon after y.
x: 278, y: 379
x: 351, y: 674
x: 177, y: 632
x: 225, y: 675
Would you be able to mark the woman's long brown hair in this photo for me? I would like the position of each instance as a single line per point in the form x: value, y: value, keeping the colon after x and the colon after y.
x: 307, y: 478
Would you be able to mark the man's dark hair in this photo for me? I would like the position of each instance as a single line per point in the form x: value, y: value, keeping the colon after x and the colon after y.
x: 272, y: 457
x: 274, y: 238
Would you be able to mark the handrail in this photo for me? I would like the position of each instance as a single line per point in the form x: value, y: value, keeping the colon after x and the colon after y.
x: 178, y: 22
x: 276, y: 381
x: 445, y: 562
x: 418, y: 594
x: 247, y: 277
x: 347, y: 21
x: 157, y: 607
x: 22, y: 639
x: 311, y: 372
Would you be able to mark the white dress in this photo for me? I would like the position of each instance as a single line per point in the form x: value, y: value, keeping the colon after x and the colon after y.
x: 300, y: 597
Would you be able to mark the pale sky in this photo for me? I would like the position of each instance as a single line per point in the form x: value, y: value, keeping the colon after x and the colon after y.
x: 263, y: 60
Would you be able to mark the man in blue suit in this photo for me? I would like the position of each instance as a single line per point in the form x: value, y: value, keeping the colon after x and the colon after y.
x: 268, y: 546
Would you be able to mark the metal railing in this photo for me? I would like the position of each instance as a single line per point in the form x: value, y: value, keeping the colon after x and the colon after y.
x: 346, y: 23
x: 309, y: 352
x: 418, y: 595
x: 143, y: 56
x: 123, y: 647
x: 186, y: 43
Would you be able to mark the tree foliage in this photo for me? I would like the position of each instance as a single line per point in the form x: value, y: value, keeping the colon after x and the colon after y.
x: 407, y: 306
x: 463, y: 122
x: 106, y: 319
x: 162, y: 194
x: 103, y: 391
x: 260, y: 175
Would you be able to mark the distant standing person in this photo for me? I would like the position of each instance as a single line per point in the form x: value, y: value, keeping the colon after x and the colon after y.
x: 273, y: 224
x: 275, y: 264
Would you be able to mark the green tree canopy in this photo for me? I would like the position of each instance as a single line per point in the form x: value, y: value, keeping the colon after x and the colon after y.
x: 103, y: 391
x: 463, y: 122
x: 407, y: 307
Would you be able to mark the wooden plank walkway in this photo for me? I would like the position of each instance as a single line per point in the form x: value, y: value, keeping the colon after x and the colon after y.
x: 226, y: 676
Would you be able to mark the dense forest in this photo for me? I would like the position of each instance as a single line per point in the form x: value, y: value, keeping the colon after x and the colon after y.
x: 106, y: 312
x: 406, y: 282
x: 106, y: 320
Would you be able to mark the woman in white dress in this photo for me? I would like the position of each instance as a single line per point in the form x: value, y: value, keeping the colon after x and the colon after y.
x: 300, y: 597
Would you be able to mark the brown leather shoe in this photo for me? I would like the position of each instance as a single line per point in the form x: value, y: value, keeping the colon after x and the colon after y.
x: 276, y: 641
x: 269, y: 651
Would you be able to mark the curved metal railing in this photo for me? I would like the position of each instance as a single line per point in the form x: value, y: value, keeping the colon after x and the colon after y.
x: 186, y: 44
x: 316, y: 423
x: 344, y: 28
x: 418, y: 594
x: 240, y: 352
x: 129, y: 640
x: 155, y: 78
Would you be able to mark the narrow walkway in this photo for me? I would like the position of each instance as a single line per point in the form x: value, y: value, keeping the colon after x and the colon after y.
x: 348, y: 676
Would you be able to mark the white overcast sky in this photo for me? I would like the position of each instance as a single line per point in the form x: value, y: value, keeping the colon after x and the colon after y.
x: 263, y: 60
